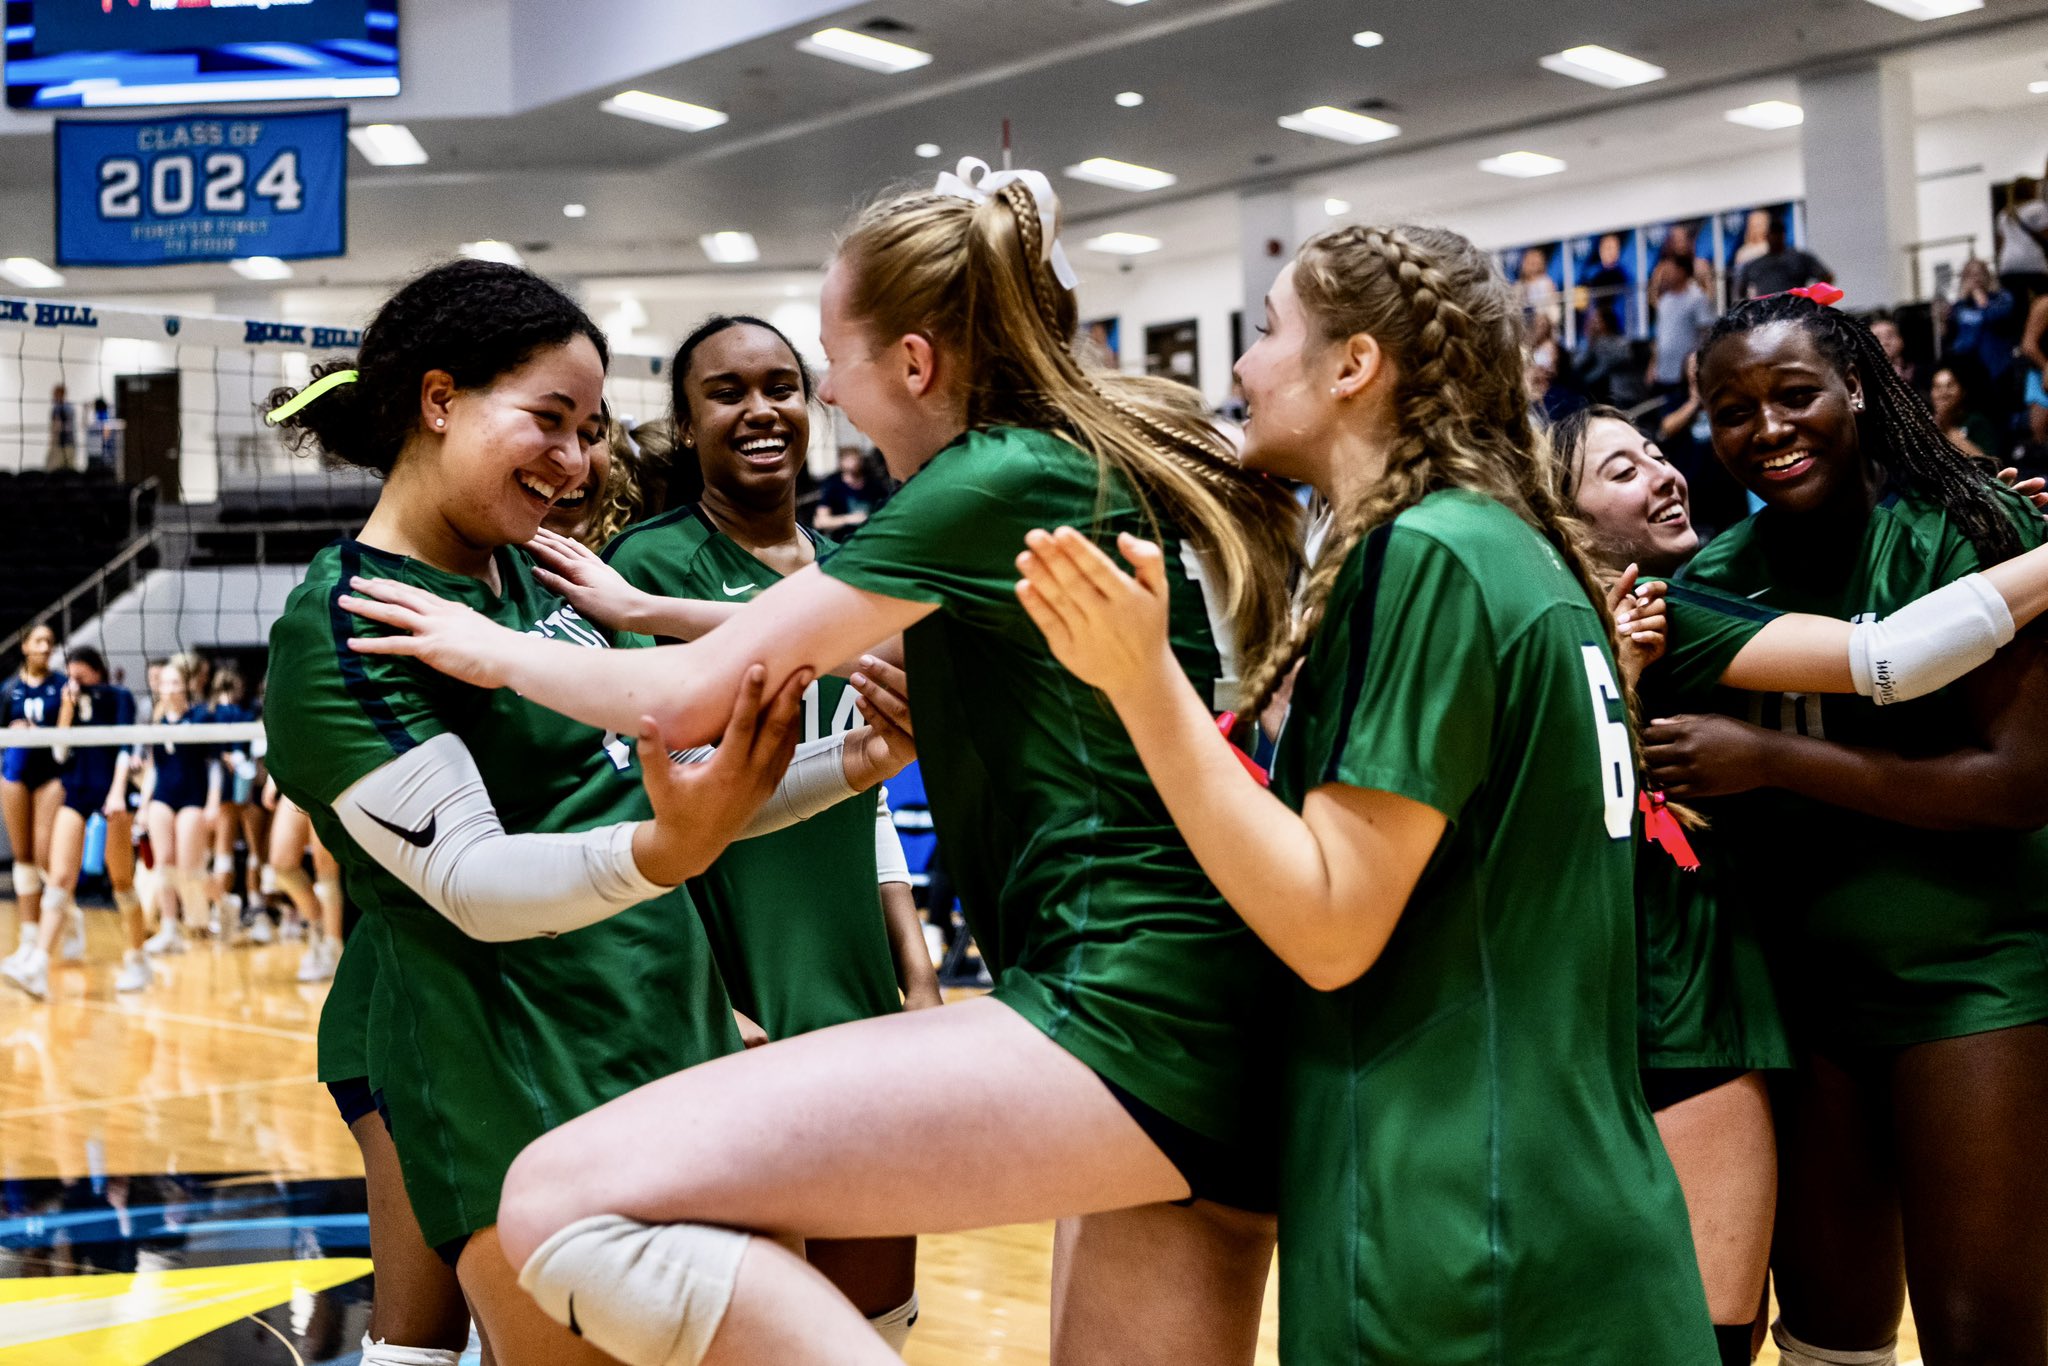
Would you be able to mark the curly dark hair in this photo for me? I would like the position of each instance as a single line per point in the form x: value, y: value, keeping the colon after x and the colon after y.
x: 476, y: 320
x: 1897, y: 430
x: 685, y: 477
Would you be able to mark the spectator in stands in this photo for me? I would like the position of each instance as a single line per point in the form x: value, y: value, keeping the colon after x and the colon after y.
x: 1603, y: 360
x: 1534, y: 287
x: 1543, y: 341
x: 1779, y: 267
x: 1549, y: 399
x: 63, y: 432
x: 846, y: 499
x: 1675, y: 261
x: 101, y: 456
x: 2020, y: 234
x: 1983, y: 335
x: 1683, y: 314
x: 1894, y: 343
x: 1756, y: 239
x: 1961, y: 420
x: 2034, y: 346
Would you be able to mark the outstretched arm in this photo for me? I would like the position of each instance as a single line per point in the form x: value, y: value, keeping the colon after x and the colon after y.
x: 1325, y: 888
x: 807, y: 621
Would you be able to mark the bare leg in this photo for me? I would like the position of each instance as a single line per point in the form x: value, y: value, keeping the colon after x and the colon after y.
x: 121, y: 876
x: 18, y: 804
x: 1972, y: 1116
x: 808, y: 1137
x: 1722, y: 1144
x: 163, y: 843
x: 419, y: 1302
x: 1105, y: 1307
x: 49, y: 798
x: 289, y: 834
x: 1838, y: 1255
x: 192, y: 843
x: 67, y: 853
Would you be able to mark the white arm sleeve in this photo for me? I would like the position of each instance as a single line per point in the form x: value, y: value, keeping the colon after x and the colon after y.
x: 815, y: 781
x: 427, y: 820
x: 890, y: 864
x: 1930, y: 642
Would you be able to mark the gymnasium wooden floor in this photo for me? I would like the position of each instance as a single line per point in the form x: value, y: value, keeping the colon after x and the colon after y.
x: 201, y: 1091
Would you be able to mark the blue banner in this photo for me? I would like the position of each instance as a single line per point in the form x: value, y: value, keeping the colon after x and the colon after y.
x: 153, y: 192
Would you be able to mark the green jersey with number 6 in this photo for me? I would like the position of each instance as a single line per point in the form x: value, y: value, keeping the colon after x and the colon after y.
x: 1083, y: 897
x: 1882, y: 933
x: 795, y: 917
x: 1468, y: 1147
x: 479, y: 1047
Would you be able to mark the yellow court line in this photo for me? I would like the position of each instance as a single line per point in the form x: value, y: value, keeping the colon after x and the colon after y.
x: 157, y: 1097
x: 152, y: 1016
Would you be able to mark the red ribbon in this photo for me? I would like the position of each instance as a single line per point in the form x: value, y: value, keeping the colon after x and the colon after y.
x: 1661, y: 828
x: 1826, y: 295
x: 1228, y: 723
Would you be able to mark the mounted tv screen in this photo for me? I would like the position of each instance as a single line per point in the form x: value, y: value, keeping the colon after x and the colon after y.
x: 110, y: 54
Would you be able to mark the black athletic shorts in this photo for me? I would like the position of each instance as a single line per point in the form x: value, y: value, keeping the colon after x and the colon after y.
x: 1667, y: 1086
x: 353, y: 1098
x: 1214, y: 1170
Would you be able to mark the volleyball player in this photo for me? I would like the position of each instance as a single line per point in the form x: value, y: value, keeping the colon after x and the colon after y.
x: 519, y: 979
x: 29, y: 789
x: 95, y: 779
x: 181, y: 801
x: 800, y: 939
x: 239, y: 817
x: 1910, y: 937
x: 1113, y: 1078
x: 315, y: 900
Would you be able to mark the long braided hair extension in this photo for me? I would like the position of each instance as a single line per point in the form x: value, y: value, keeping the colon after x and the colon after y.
x: 1896, y: 430
x: 1441, y: 310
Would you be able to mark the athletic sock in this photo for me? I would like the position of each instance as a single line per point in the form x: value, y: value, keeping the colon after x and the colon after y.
x: 650, y: 1294
x: 1733, y: 1339
x: 387, y: 1354
x: 895, y: 1325
x: 1793, y: 1352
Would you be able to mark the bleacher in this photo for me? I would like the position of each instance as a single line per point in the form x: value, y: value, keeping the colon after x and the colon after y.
x: 63, y: 527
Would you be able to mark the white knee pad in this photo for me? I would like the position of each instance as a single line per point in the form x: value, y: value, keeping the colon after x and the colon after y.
x: 56, y: 901
x: 266, y: 881
x: 650, y: 1294
x: 1793, y: 1352
x: 223, y: 865
x: 126, y: 901
x: 28, y: 879
x: 895, y: 1325
x: 387, y: 1354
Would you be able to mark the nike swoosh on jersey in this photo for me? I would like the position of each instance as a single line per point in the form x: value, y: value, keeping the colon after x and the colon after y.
x: 732, y: 592
x: 1759, y: 593
x: 419, y: 838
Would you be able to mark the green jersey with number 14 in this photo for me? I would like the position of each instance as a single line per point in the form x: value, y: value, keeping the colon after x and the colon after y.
x: 1468, y: 1147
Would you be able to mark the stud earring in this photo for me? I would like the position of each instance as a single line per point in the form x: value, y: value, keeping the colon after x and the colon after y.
x: 439, y: 423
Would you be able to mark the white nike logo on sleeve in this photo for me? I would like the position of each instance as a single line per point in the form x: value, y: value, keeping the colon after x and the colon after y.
x: 732, y: 592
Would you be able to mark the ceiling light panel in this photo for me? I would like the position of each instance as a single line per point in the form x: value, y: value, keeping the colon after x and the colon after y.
x: 863, y: 50
x: 1123, y: 243
x: 1368, y: 38
x: 1522, y: 165
x: 30, y: 273
x: 1336, y: 208
x: 2037, y: 88
x: 1924, y: 10
x: 663, y: 111
x: 1130, y: 99
x: 574, y: 210
x: 1340, y: 125
x: 1602, y: 66
x: 261, y: 268
x: 388, y: 144
x: 1121, y: 175
x: 730, y: 248
x: 1768, y: 115
x: 928, y: 150
x: 491, y: 249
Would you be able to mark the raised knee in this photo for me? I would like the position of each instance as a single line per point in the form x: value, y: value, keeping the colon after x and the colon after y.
x: 530, y: 1205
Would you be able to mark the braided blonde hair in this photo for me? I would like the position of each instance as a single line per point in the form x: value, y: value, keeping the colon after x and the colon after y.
x: 1440, y: 310
x: 973, y: 277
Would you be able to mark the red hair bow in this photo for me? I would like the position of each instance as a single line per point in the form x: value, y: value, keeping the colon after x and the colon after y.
x: 1826, y: 295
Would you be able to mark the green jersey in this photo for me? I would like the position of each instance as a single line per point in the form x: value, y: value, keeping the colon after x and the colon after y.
x: 1891, y: 935
x: 1468, y: 1148
x: 1083, y: 897
x: 479, y: 1048
x: 1704, y: 990
x: 344, y: 1032
x: 795, y: 917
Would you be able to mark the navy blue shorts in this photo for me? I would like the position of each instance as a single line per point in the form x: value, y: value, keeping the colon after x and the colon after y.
x: 32, y: 767
x: 1213, y: 1169
x: 179, y: 796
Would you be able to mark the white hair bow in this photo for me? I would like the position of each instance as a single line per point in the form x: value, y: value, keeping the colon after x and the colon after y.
x: 973, y: 180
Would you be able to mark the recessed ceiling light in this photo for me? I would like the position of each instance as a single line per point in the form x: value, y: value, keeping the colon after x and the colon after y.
x: 1340, y: 125
x: 1123, y: 243
x: 2038, y: 88
x: 30, y: 273
x: 928, y: 150
x: 863, y: 50
x: 574, y: 210
x: 1130, y: 99
x: 663, y: 111
x: 1336, y: 208
x: 1602, y: 66
x: 261, y: 268
x: 1126, y: 2
x: 730, y: 248
x: 388, y: 144
x: 1522, y: 165
x: 1924, y: 10
x: 1767, y: 114
x: 1121, y: 175
x: 491, y: 249
x: 1368, y: 38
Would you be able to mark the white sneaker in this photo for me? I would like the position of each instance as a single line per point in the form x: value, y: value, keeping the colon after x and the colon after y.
x: 28, y: 941
x: 30, y: 972
x: 73, y: 950
x: 134, y: 973
x: 260, y: 931
x: 169, y: 939
x: 292, y: 931
x: 318, y: 962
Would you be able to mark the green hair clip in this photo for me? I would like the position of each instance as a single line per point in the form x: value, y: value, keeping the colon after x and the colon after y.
x: 308, y: 394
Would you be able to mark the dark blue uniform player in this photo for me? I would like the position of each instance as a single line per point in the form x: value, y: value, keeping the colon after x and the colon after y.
x: 183, y: 800
x: 29, y: 792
